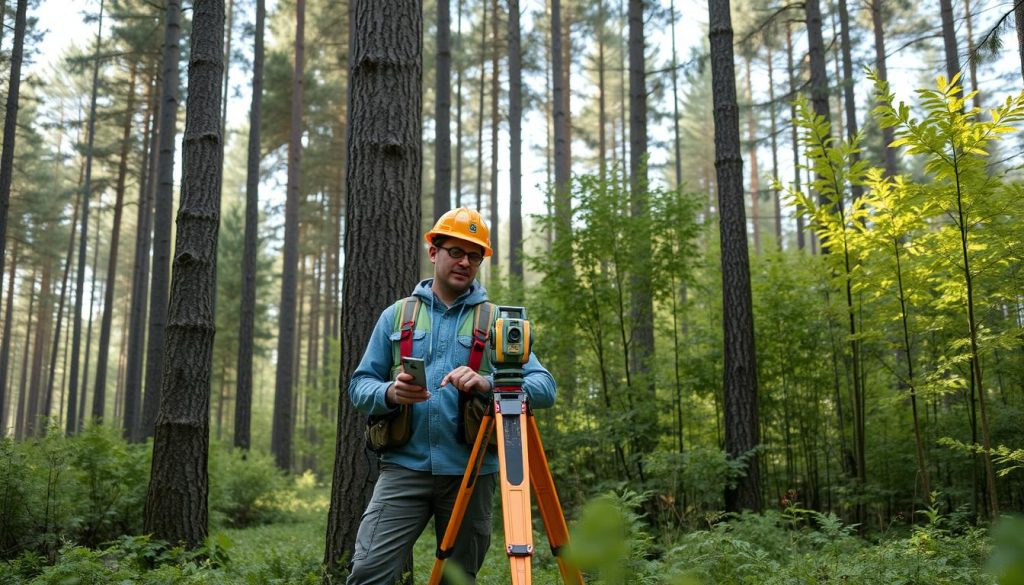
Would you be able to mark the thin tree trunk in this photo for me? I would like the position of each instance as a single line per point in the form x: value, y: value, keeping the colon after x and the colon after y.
x: 1018, y: 15
x: 773, y: 129
x: 140, y: 277
x: 442, y: 112
x: 25, y: 416
x: 740, y: 367
x: 229, y: 29
x: 755, y: 184
x: 68, y: 258
x: 480, y: 124
x: 888, y: 134
x: 515, y: 128
x: 5, y: 345
x: 176, y: 506
x: 76, y: 336
x: 88, y: 329
x: 164, y: 208
x: 677, y: 145
x: 36, y: 402
x: 816, y: 52
x: 495, y: 124
x: 11, y: 125
x: 972, y: 57
x: 246, y: 328
x: 384, y: 198
x: 949, y: 43
x: 459, y: 60
x: 282, y: 431
x: 99, y: 394
x: 800, y: 241
x: 849, y: 99
x: 602, y: 114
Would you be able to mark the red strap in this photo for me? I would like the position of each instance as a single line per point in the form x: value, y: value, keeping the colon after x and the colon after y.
x: 410, y: 310
x: 476, y: 351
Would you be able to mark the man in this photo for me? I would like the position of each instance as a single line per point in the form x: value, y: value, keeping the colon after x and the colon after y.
x: 421, y: 478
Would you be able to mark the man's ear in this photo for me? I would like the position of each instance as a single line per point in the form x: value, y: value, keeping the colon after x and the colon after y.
x: 432, y: 251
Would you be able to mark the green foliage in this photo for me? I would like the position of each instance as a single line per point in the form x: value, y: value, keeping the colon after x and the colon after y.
x: 244, y: 488
x: 610, y: 542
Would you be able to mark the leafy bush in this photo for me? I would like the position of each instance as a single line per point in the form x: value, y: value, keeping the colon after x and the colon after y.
x: 243, y: 488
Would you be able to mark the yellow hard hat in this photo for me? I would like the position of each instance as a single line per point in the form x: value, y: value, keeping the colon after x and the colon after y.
x: 462, y: 223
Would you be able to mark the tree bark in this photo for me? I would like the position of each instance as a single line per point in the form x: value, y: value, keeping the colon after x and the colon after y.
x: 515, y: 128
x: 88, y: 328
x: 849, y: 99
x: 495, y: 125
x: 816, y: 53
x: 949, y: 43
x: 36, y: 402
x: 23, y: 428
x: 480, y: 124
x: 677, y: 145
x: 442, y: 112
x: 11, y: 127
x: 99, y: 394
x: 773, y: 128
x: 740, y: 367
x: 176, y: 507
x: 5, y: 345
x: 458, y: 106
x: 888, y: 134
x: 68, y: 257
x: 246, y: 327
x: 282, y: 431
x: 755, y: 184
x: 76, y: 336
x: 800, y: 241
x: 140, y: 281
x: 382, y: 222
x: 164, y: 202
x: 1018, y: 15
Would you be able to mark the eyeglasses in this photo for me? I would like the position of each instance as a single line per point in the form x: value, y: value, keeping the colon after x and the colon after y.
x: 458, y: 254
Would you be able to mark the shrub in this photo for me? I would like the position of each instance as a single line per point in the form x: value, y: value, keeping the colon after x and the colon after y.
x: 243, y: 488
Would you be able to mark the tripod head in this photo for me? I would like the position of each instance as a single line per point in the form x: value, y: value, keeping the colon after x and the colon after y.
x: 510, y: 342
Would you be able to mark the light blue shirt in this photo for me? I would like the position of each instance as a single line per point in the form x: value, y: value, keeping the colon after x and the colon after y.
x: 434, y: 446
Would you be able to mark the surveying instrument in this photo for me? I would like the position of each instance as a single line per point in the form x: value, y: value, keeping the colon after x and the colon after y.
x: 521, y: 463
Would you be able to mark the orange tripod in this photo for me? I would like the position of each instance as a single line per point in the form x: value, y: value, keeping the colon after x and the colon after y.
x: 521, y: 464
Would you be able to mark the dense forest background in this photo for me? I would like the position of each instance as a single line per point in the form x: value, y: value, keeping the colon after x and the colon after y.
x: 772, y: 252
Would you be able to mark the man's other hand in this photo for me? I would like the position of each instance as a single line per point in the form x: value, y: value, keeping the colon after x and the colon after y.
x: 465, y: 379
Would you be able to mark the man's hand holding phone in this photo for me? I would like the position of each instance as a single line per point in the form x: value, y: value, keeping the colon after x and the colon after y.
x: 410, y: 384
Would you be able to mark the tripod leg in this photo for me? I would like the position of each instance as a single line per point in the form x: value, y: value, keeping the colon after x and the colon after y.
x: 514, y: 470
x: 476, y: 458
x: 548, y: 504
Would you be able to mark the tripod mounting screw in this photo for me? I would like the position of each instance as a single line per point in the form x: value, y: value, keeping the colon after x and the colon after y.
x: 520, y: 550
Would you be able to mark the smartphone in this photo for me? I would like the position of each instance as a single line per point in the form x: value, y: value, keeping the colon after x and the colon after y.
x: 415, y: 367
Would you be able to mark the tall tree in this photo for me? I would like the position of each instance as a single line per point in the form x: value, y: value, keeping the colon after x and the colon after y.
x: 495, y: 125
x: 163, y: 208
x: 99, y: 394
x: 816, y: 56
x: 888, y: 134
x: 76, y: 336
x: 642, y: 354
x: 10, y: 128
x: 949, y: 43
x: 382, y: 222
x: 176, y: 508
x: 515, y: 130
x: 5, y: 345
x: 1018, y: 16
x: 480, y: 120
x: 284, y: 380
x: 442, y: 111
x: 243, y: 377
x: 740, y: 367
x: 459, y: 70
x: 849, y: 101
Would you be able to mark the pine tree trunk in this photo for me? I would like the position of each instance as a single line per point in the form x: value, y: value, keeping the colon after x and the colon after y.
x: 849, y: 98
x: 140, y: 274
x: 88, y: 328
x: 949, y: 43
x: 459, y: 60
x: 972, y: 55
x: 480, y: 119
x: 35, y: 398
x: 24, y: 426
x: 800, y: 240
x: 282, y: 431
x: 162, y: 220
x: 10, y: 127
x: 442, y: 112
x: 1018, y: 15
x: 382, y: 222
x: 246, y: 328
x: 76, y: 336
x: 773, y: 128
x: 68, y: 257
x: 176, y: 506
x: 816, y: 54
x: 740, y: 367
x: 888, y: 134
x: 495, y: 125
x: 5, y: 345
x: 676, y: 144
x: 755, y: 184
x: 515, y: 127
x: 226, y: 88
x: 99, y: 394
x: 642, y: 355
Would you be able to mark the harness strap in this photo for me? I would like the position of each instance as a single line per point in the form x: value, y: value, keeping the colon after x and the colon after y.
x: 481, y: 331
x: 410, y: 310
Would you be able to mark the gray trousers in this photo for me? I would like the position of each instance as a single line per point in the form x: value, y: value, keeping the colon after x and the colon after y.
x: 403, y: 502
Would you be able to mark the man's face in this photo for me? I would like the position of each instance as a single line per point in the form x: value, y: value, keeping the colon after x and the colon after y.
x: 453, y: 274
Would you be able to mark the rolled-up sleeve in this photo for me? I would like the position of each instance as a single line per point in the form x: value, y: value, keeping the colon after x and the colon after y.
x: 372, y: 378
